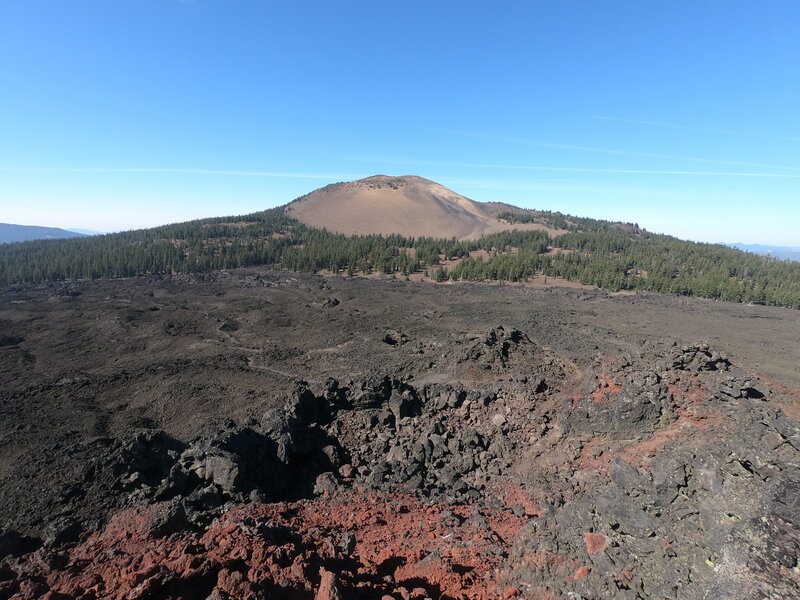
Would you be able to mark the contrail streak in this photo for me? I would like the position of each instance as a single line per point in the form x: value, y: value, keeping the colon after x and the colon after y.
x: 415, y: 163
x: 171, y: 170
x: 697, y: 128
x: 656, y: 172
x: 616, y: 152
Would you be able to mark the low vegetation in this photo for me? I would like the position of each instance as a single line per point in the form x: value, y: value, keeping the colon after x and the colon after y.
x: 612, y: 256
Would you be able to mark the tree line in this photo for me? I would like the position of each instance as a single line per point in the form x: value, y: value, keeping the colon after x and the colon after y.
x: 600, y: 253
x: 557, y: 220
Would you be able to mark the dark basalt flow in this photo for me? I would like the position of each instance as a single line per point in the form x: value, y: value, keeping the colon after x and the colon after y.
x: 491, y: 466
x: 621, y: 476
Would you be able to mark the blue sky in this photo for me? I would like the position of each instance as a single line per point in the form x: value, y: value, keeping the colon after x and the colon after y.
x: 681, y: 116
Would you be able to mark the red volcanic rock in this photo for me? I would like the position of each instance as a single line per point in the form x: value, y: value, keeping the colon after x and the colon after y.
x: 302, y: 548
x: 583, y: 572
x: 328, y: 587
x: 595, y: 542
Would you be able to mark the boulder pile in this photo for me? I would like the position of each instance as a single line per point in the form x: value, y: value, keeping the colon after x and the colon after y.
x: 666, y: 473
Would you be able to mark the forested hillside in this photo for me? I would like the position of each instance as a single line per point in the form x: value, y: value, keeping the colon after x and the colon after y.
x: 613, y: 256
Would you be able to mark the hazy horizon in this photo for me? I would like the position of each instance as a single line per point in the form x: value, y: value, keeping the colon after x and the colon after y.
x: 680, y: 117
x: 91, y: 231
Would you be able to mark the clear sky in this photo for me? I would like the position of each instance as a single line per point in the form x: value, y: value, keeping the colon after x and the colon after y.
x: 683, y: 116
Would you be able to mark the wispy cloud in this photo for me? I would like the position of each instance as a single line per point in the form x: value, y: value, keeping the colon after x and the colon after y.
x: 618, y: 152
x: 171, y: 170
x: 697, y: 128
x: 418, y: 163
x: 659, y: 172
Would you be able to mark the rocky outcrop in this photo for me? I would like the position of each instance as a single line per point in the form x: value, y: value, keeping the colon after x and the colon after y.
x: 668, y: 473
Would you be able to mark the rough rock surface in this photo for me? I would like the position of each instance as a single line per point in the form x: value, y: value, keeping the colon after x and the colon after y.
x: 666, y: 471
x: 615, y: 491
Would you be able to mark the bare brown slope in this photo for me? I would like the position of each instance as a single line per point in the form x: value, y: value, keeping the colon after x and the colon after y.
x: 409, y: 205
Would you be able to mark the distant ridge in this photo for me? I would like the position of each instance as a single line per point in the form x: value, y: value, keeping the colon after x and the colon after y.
x: 409, y: 205
x: 779, y: 252
x: 10, y: 233
x: 86, y: 231
x: 436, y: 234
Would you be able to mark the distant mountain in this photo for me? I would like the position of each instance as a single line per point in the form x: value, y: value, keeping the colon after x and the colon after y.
x: 25, y: 233
x: 86, y: 231
x: 779, y: 252
x: 409, y: 205
x: 403, y: 226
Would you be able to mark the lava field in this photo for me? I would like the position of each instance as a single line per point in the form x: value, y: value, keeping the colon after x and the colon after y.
x: 257, y: 434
